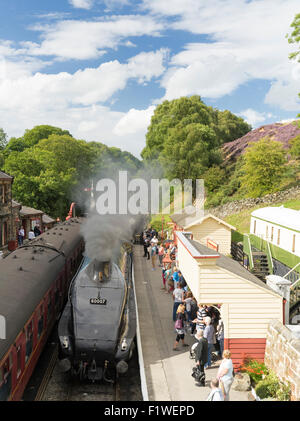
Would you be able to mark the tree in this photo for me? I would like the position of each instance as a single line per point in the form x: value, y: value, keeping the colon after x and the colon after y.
x: 3, y: 139
x: 32, y: 137
x: 168, y: 115
x: 228, y: 126
x: 263, y: 167
x: 295, y: 149
x: 294, y: 38
x: 189, y: 151
x: 185, y: 136
x: 46, y: 174
x: 214, y: 178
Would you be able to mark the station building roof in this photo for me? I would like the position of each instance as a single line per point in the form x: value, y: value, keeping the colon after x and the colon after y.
x: 186, y: 220
x: 199, y: 251
x: 25, y: 211
x: 4, y: 176
x: 288, y: 218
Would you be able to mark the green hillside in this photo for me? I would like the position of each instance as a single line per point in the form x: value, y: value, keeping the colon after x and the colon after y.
x: 241, y: 220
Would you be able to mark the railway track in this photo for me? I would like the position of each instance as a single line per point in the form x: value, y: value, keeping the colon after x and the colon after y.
x: 47, y: 375
x: 52, y: 384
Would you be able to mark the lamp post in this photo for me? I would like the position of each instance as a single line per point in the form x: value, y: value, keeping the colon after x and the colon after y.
x: 162, y: 227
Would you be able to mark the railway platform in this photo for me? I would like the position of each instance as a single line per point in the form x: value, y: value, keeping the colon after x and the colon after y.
x: 167, y: 372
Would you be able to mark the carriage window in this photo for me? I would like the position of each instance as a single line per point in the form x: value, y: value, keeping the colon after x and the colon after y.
x: 19, y: 360
x: 272, y: 233
x: 49, y: 313
x: 7, y: 366
x: 40, y: 321
x: 267, y: 232
x: 254, y: 230
x: 56, y: 297
x: 29, y: 340
x: 278, y: 238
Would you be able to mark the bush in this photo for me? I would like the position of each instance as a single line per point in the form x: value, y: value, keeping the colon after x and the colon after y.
x: 262, y: 389
x: 256, y: 370
x: 272, y: 387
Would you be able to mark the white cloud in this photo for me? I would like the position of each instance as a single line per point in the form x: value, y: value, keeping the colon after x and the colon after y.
x: 284, y: 95
x: 254, y: 117
x: 246, y: 41
x: 73, y: 101
x: 73, y: 39
x: 91, y: 123
x: 134, y: 121
x: 82, y: 4
x: 84, y: 87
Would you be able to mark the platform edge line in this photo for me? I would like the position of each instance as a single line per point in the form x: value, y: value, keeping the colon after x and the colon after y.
x: 139, y: 345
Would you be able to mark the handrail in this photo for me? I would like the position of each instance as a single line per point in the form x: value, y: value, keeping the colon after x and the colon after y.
x: 291, y: 270
x: 250, y: 252
x: 270, y: 256
x: 294, y: 284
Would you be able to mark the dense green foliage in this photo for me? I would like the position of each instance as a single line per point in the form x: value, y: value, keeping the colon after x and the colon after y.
x: 187, y: 121
x: 294, y: 37
x: 3, y: 139
x: 51, y: 168
x: 295, y: 147
x: 272, y: 387
x: 185, y: 138
x: 263, y: 166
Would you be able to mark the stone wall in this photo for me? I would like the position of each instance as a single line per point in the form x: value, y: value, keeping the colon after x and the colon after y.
x: 282, y: 355
x: 240, y: 205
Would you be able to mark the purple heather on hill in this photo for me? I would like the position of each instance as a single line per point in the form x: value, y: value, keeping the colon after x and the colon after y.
x: 280, y: 132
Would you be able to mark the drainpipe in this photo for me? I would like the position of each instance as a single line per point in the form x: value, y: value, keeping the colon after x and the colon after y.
x: 283, y: 306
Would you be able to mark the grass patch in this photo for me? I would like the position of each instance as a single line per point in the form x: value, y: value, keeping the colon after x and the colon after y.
x: 241, y: 220
x: 156, y: 222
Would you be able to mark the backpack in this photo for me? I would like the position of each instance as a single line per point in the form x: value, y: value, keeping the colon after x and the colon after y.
x: 178, y: 324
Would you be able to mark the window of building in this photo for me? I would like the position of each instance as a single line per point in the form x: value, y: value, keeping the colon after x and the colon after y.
x: 294, y: 243
x: 278, y: 237
x: 272, y: 233
x: 3, y: 192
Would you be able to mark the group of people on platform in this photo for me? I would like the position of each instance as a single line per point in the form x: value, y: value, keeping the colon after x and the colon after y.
x: 190, y: 316
x: 31, y: 235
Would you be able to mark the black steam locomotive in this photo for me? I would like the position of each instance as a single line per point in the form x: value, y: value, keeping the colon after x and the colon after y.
x: 98, y: 326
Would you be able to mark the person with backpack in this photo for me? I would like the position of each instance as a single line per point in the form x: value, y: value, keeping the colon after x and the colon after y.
x: 201, y: 353
x: 180, y: 326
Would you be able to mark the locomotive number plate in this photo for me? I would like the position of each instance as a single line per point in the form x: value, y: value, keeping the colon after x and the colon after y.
x: 101, y: 301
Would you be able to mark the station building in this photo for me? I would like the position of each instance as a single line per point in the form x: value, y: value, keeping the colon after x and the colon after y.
x: 277, y: 230
x: 247, y: 304
x: 208, y: 230
x: 9, y: 213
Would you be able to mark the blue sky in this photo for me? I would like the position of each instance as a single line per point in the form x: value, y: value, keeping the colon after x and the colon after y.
x: 98, y: 68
